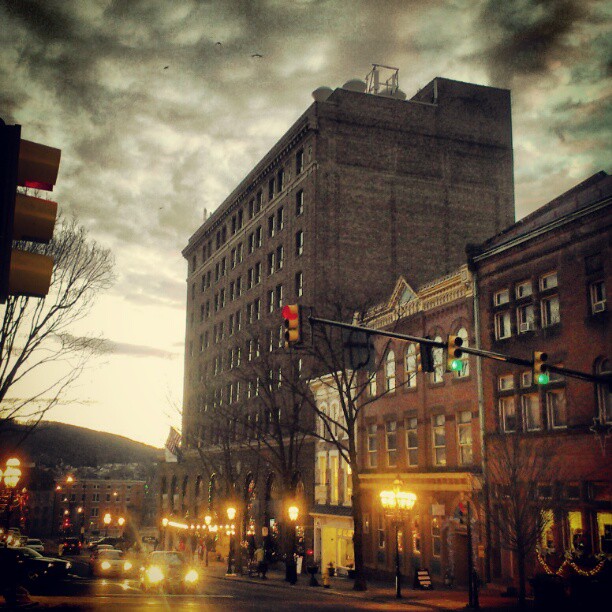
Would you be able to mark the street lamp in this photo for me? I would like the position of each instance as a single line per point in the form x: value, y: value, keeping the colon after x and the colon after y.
x: 230, y: 530
x: 397, y: 503
x: 121, y: 523
x: 11, y: 477
x: 81, y: 513
x: 290, y: 566
x: 107, y: 521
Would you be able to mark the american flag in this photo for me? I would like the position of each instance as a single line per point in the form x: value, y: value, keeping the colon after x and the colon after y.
x: 173, y: 441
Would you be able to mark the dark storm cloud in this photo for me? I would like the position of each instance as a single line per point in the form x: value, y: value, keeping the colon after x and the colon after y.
x: 527, y: 35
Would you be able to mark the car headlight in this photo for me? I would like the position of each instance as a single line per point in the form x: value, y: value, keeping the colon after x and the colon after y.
x: 127, y: 566
x: 68, y: 565
x: 191, y: 576
x: 105, y: 565
x: 154, y: 574
x: 49, y: 564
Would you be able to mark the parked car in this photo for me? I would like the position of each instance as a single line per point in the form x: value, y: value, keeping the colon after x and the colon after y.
x: 32, y: 568
x: 70, y: 546
x: 167, y: 570
x: 35, y: 544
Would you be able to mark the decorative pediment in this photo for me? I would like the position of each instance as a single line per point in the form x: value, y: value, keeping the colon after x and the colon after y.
x: 402, y: 294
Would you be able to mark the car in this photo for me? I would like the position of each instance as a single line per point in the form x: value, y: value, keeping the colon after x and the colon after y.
x: 70, y: 546
x: 167, y: 570
x: 106, y: 541
x: 33, y: 569
x: 109, y: 563
x: 35, y: 544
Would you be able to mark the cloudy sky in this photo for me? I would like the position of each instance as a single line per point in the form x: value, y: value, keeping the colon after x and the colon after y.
x: 160, y: 107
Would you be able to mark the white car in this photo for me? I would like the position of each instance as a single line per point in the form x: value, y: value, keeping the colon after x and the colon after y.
x: 36, y: 545
x: 109, y: 562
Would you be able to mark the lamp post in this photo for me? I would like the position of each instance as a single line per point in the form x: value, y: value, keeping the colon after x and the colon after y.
x: 207, y: 521
x: 231, y: 515
x: 291, y: 570
x: 107, y: 521
x: 81, y: 514
x: 397, y: 504
x: 164, y: 527
x: 11, y: 477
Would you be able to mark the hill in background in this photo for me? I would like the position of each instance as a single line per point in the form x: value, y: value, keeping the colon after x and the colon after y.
x: 55, y: 444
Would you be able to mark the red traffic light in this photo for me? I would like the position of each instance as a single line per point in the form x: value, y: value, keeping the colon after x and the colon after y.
x: 290, y: 312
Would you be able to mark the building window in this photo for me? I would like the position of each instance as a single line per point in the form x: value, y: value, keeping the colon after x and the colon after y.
x: 507, y: 414
x: 279, y: 258
x: 525, y: 317
x: 501, y: 297
x: 523, y: 290
x: 436, y: 537
x: 526, y: 379
x: 411, y: 366
x: 598, y: 296
x: 531, y: 412
x: 299, y: 203
x: 548, y: 281
x: 604, y: 392
x: 258, y: 237
x: 464, y: 433
x: 257, y: 278
x: 381, y: 531
x: 280, y: 219
x: 280, y: 180
x: 505, y: 382
x: 391, y: 438
x: 271, y: 263
x: 439, y: 439
x: 271, y: 226
x: 437, y: 376
x: 299, y: 243
x: 556, y: 407
x: 502, y: 325
x: 390, y: 371
x: 372, y: 446
x: 251, y: 243
x: 279, y: 296
x: 299, y: 161
x: 372, y: 385
x: 412, y: 441
x: 270, y: 188
x: 550, y: 311
x: 299, y: 284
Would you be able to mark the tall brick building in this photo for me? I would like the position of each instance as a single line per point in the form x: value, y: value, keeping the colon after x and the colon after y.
x: 361, y: 188
x: 542, y: 286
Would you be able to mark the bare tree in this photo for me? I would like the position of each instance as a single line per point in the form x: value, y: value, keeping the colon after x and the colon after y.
x: 355, y: 392
x: 36, y: 332
x: 520, y: 469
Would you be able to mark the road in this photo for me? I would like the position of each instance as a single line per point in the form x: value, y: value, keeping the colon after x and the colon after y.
x: 215, y: 594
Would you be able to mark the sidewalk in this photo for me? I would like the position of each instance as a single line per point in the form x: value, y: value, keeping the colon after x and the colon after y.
x: 435, y: 600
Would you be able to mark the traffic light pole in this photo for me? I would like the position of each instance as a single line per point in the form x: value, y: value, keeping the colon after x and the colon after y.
x: 595, y: 378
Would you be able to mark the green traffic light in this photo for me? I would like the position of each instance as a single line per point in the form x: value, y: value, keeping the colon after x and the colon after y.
x: 543, y: 379
x: 456, y: 365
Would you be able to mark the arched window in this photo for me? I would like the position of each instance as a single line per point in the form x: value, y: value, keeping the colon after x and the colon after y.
x: 437, y: 375
x: 604, y: 392
x: 390, y: 371
x: 411, y: 365
x: 465, y: 370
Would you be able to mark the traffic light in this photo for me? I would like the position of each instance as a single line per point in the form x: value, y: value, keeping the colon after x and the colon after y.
x: 454, y: 363
x: 540, y: 373
x: 22, y: 217
x: 425, y: 360
x: 293, y: 324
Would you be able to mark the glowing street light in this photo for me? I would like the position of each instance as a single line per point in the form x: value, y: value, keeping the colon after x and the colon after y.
x: 231, y: 515
x: 107, y: 521
x: 396, y: 504
x: 10, y: 477
x: 293, y: 512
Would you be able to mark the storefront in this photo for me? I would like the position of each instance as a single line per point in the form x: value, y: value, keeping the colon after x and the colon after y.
x: 333, y: 538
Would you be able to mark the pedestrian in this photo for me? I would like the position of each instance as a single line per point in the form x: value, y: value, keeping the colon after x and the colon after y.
x: 260, y: 559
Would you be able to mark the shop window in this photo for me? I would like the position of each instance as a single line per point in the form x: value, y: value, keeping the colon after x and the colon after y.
x: 416, y: 535
x: 436, y: 537
x: 381, y: 531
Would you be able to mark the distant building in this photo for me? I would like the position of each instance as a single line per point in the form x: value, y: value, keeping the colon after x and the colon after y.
x: 361, y: 187
x: 543, y: 285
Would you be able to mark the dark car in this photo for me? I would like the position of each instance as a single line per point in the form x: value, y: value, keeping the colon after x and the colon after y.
x: 31, y: 569
x: 70, y: 546
x: 167, y: 570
